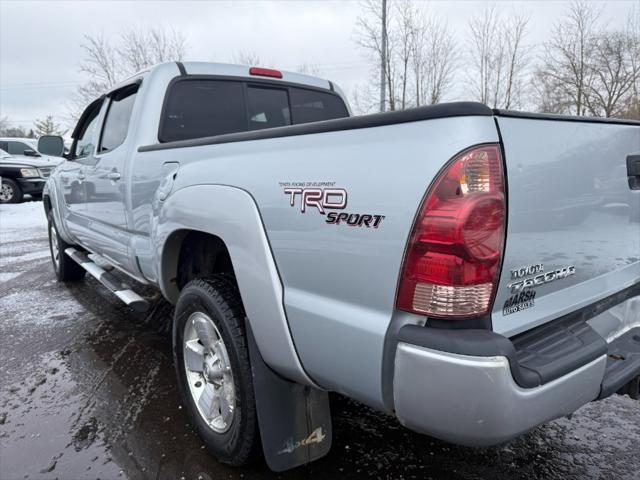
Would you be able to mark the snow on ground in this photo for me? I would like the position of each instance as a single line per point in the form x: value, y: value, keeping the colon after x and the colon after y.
x: 19, y: 221
x: 23, y: 237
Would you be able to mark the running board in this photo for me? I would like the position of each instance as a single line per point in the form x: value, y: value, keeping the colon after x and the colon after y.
x: 113, y: 283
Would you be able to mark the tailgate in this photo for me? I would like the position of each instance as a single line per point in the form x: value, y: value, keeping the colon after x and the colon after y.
x: 573, y: 231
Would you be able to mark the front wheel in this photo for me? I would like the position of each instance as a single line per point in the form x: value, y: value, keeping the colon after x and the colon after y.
x: 64, y: 267
x: 212, y: 364
x: 10, y: 191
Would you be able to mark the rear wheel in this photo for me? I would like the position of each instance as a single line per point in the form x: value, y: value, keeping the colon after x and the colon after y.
x: 64, y: 267
x: 10, y: 192
x: 212, y: 364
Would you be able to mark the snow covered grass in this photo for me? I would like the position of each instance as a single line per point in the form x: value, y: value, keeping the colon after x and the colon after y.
x: 23, y: 236
x: 22, y: 221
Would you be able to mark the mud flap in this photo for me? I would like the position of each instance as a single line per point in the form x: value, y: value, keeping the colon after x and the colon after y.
x: 294, y: 420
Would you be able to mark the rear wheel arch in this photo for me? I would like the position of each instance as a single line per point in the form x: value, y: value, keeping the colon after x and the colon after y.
x: 190, y: 254
x: 248, y: 253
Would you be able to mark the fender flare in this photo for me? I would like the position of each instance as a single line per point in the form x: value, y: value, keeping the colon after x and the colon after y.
x: 53, y: 194
x: 232, y: 215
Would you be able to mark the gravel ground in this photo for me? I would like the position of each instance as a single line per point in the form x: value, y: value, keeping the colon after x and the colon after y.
x: 87, y: 390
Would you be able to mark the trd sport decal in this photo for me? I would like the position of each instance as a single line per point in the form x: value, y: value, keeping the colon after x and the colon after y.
x: 324, y: 197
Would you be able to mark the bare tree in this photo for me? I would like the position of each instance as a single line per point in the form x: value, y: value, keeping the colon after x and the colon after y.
x: 565, y: 67
x: 420, y: 53
x: 247, y: 58
x: 405, y: 34
x: 48, y: 126
x: 633, y: 33
x: 614, y: 74
x: 499, y: 57
x: 142, y: 48
x: 309, y: 69
x: 434, y: 58
x: 5, y: 123
x: 364, y: 98
x: 101, y: 66
x: 517, y: 59
x: 484, y: 54
x: 106, y: 62
x: 369, y: 38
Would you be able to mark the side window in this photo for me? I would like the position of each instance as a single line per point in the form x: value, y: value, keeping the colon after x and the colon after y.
x: 268, y: 108
x: 202, y: 108
x: 313, y: 106
x: 116, y: 124
x: 85, y: 143
x: 17, y: 148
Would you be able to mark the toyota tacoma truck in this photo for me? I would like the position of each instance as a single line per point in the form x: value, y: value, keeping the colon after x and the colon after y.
x: 474, y: 272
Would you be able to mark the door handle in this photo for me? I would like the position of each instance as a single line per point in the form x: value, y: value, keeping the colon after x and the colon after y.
x: 633, y: 171
x: 113, y: 176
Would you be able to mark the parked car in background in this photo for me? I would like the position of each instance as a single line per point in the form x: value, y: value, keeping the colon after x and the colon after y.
x: 24, y: 175
x: 27, y: 147
x: 19, y: 146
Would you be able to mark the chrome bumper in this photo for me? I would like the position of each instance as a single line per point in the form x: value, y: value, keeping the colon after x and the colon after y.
x: 474, y: 401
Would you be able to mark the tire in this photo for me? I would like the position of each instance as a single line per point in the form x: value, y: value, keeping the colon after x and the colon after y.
x: 10, y: 191
x: 65, y: 268
x: 232, y: 439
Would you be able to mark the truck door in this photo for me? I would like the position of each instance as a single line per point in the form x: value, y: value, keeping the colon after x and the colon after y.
x: 105, y: 186
x: 72, y: 173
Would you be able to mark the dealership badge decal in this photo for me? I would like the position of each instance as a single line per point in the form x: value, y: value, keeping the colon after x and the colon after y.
x: 525, y: 280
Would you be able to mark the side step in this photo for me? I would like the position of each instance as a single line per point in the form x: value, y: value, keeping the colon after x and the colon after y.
x: 113, y: 283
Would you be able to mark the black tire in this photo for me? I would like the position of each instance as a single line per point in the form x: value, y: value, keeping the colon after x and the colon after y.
x: 11, y: 191
x: 219, y: 298
x: 66, y: 269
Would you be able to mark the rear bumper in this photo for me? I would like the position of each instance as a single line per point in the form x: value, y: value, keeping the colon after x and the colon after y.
x: 475, y: 401
x: 477, y: 388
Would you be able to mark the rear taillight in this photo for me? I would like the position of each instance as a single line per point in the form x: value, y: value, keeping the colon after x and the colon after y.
x: 454, y: 253
x: 265, y: 72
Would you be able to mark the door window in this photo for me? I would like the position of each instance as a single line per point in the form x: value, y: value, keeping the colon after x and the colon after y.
x: 116, y: 124
x: 85, y: 143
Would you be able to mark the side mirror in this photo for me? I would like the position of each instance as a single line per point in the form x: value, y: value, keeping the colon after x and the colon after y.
x: 30, y: 153
x: 51, y: 145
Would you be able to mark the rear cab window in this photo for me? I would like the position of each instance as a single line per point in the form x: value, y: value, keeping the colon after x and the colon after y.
x: 197, y: 108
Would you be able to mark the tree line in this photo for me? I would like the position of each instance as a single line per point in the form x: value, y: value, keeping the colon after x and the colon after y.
x: 45, y: 126
x: 582, y: 68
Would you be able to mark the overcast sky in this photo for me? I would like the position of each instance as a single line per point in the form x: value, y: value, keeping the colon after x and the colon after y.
x: 40, y: 41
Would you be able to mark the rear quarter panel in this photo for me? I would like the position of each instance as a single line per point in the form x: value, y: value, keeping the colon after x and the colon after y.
x: 339, y: 281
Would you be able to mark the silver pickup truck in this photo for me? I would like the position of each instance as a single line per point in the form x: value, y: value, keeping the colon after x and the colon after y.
x: 474, y: 272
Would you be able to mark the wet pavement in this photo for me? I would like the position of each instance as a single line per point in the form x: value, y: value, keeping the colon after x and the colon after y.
x: 87, y: 390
